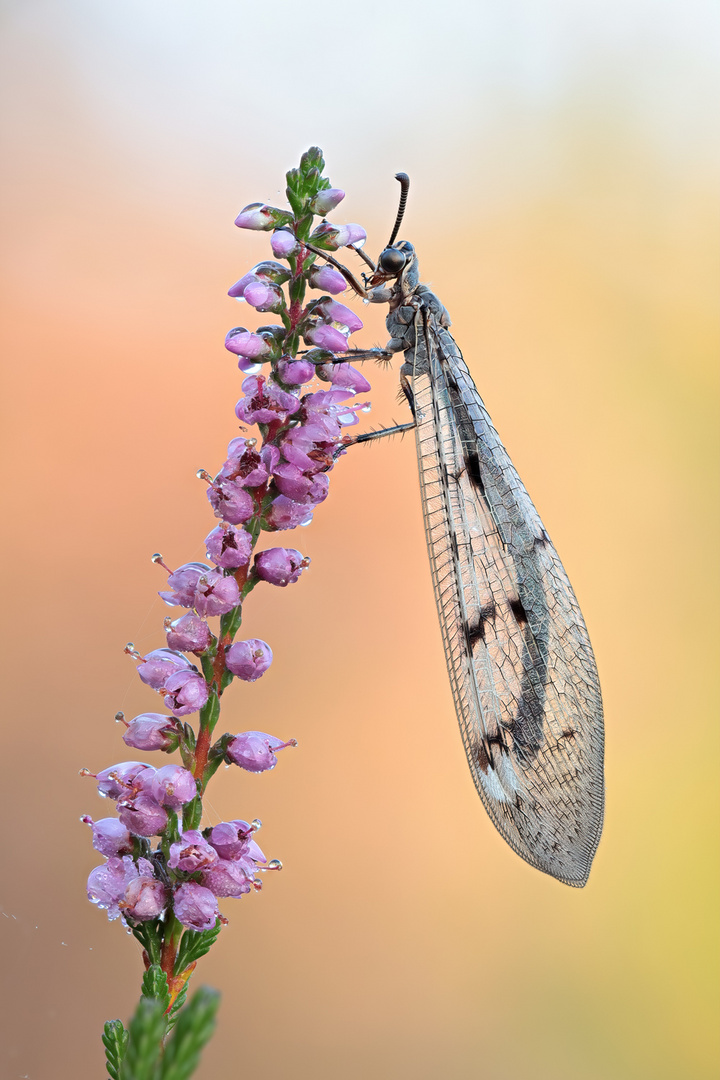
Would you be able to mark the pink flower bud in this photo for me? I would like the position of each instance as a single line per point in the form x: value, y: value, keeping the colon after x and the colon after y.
x: 280, y: 566
x: 159, y: 665
x: 339, y: 314
x: 185, y: 692
x: 195, y: 906
x: 151, y: 731
x: 295, y: 372
x: 190, y: 632
x: 227, y: 878
x: 327, y: 337
x: 229, y: 547
x: 143, y: 815
x: 283, y: 243
x: 263, y: 217
x: 345, y: 377
x: 173, y: 786
x: 216, y: 594
x: 145, y: 899
x: 284, y: 513
x: 327, y: 200
x: 192, y: 853
x: 231, y: 839
x: 110, y: 837
x: 254, y: 750
x: 248, y: 660
x: 230, y: 501
x: 326, y: 278
x: 241, y: 342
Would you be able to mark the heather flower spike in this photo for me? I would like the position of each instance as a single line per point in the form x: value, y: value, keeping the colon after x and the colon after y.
x: 168, y: 866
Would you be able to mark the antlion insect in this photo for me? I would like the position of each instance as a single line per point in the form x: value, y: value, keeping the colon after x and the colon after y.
x: 521, y: 666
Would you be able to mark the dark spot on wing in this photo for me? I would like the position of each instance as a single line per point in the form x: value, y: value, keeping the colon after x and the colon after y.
x: 518, y: 609
x: 475, y: 630
x: 569, y: 733
x: 482, y: 759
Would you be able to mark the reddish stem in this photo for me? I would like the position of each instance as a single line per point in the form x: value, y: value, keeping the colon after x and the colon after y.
x: 202, y: 749
x: 167, y: 959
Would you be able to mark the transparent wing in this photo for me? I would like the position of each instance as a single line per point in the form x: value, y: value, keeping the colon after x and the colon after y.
x: 521, y: 667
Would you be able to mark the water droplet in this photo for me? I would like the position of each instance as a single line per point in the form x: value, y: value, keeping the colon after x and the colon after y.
x: 274, y: 864
x: 251, y: 369
x: 156, y: 558
x: 256, y: 824
x: 366, y: 407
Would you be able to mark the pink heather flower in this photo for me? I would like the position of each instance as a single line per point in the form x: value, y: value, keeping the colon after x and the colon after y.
x: 337, y: 313
x: 243, y: 343
x: 152, y: 731
x: 280, y: 566
x: 325, y: 409
x: 350, y: 234
x: 263, y: 217
x: 110, y: 837
x: 183, y: 583
x: 295, y: 372
x: 192, y: 852
x: 284, y: 513
x: 124, y: 780
x: 327, y: 200
x: 228, y: 878
x: 296, y: 485
x: 195, y: 906
x: 229, y: 547
x: 345, y: 377
x: 248, y: 660
x: 264, y: 402
x: 246, y: 465
x: 142, y: 815
x: 308, y: 447
x: 263, y: 296
x: 237, y: 292
x: 331, y: 237
x: 189, y: 632
x: 173, y: 786
x: 326, y: 337
x: 253, y: 750
x: 283, y: 243
x: 326, y: 278
x: 230, y: 501
x: 231, y: 839
x: 185, y: 692
x: 107, y: 885
x: 159, y: 665
x: 145, y: 898
x: 216, y: 594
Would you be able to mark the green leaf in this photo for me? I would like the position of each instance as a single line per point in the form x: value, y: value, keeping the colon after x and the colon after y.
x: 194, y: 1029
x: 147, y: 1031
x: 114, y: 1039
x: 155, y: 985
x: 194, y: 944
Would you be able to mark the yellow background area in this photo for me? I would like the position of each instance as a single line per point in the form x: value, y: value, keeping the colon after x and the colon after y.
x: 564, y: 207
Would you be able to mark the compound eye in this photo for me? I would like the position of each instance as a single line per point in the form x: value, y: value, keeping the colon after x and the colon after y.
x: 392, y: 261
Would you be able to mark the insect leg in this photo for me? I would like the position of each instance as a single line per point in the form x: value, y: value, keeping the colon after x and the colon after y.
x: 369, y: 436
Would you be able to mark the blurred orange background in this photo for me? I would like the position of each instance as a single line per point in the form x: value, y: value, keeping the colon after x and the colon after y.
x: 564, y: 205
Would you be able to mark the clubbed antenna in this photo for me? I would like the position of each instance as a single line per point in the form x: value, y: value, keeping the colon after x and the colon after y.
x: 404, y: 188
